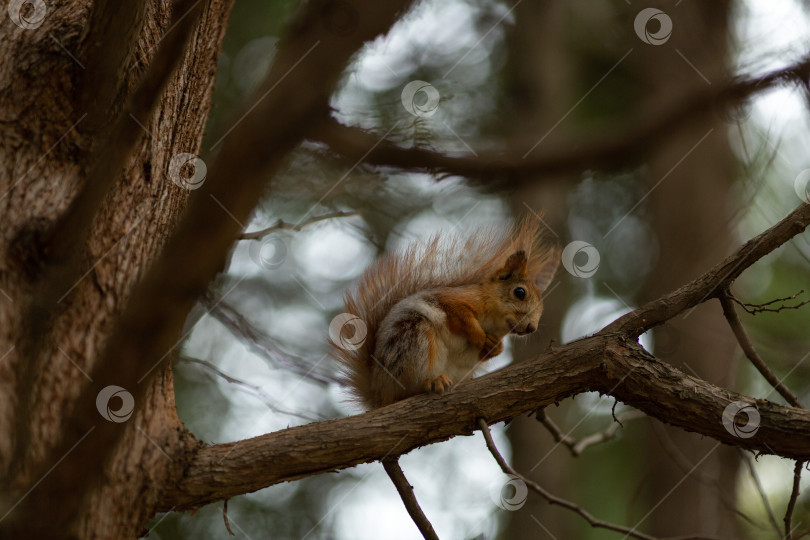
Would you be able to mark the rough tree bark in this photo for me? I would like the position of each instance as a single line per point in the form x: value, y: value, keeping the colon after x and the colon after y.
x: 57, y: 99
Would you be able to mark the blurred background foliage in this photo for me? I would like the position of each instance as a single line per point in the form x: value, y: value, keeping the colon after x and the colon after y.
x: 257, y: 360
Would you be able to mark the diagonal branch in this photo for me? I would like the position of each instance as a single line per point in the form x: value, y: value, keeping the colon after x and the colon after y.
x: 751, y: 352
x: 405, y: 490
x: 713, y: 282
x: 577, y: 447
x: 610, y: 362
x: 551, y: 498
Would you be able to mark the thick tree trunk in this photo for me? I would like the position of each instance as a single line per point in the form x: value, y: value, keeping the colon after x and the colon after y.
x: 51, y: 89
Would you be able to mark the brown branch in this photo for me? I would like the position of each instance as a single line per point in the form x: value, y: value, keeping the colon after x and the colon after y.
x: 551, y: 498
x: 713, y: 282
x: 750, y: 351
x: 405, y: 490
x: 794, y: 494
x: 281, y: 225
x: 225, y: 518
x: 515, y: 165
x: 609, y: 362
x: 577, y: 447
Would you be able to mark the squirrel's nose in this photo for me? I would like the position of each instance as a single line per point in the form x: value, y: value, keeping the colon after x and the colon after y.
x: 530, y: 328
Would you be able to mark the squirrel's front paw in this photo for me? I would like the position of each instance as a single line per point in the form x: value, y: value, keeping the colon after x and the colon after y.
x: 439, y: 385
x: 493, y: 346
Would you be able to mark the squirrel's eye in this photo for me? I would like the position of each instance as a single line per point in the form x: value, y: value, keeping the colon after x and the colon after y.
x: 520, y: 293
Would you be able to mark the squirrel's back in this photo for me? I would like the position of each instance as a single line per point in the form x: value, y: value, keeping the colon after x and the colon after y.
x: 445, y: 260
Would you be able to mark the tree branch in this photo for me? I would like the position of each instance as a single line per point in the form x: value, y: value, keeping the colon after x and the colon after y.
x: 794, y: 494
x: 405, y: 490
x: 512, y: 162
x: 281, y: 225
x: 714, y: 281
x: 577, y: 447
x: 751, y: 352
x: 551, y: 498
x: 610, y: 362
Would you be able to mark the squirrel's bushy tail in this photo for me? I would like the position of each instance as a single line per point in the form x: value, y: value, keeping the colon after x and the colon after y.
x: 440, y: 261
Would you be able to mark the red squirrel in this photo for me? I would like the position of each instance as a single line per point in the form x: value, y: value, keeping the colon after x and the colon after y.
x: 427, y: 318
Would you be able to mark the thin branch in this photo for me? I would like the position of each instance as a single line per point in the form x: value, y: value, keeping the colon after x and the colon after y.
x: 225, y: 518
x: 577, y: 447
x: 251, y: 388
x: 405, y: 490
x: 749, y: 462
x: 261, y: 343
x: 753, y: 309
x: 281, y: 225
x: 551, y: 498
x: 716, y: 280
x: 794, y: 494
x: 751, y: 352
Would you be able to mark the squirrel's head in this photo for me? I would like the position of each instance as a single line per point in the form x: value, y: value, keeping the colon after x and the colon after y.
x: 517, y: 296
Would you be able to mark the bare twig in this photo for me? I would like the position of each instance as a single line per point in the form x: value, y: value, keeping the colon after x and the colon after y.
x: 749, y: 462
x: 753, y: 309
x: 225, y: 518
x: 405, y: 490
x: 259, y: 342
x: 751, y: 352
x: 577, y: 447
x: 553, y: 499
x: 794, y: 494
x: 252, y: 388
x: 715, y: 281
x: 281, y: 225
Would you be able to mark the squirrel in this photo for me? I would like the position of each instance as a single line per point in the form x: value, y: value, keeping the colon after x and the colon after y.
x: 428, y: 317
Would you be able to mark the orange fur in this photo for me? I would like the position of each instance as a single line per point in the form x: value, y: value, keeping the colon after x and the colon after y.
x: 440, y: 262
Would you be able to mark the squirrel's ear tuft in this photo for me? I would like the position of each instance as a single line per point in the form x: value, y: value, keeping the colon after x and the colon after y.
x: 546, y: 273
x: 515, y: 266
